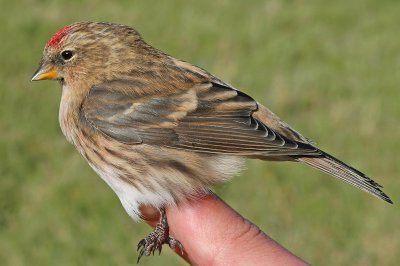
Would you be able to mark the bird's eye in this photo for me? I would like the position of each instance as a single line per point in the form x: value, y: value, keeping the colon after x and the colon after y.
x: 67, y: 54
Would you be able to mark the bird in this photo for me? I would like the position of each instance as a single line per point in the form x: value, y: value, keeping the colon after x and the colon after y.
x: 159, y: 130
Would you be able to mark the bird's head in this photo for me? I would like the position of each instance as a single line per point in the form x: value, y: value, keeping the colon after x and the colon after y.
x: 90, y: 52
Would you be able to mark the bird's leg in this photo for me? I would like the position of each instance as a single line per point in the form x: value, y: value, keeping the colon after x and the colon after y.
x: 157, y: 238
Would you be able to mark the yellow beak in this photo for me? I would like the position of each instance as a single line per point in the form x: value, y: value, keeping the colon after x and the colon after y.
x: 45, y: 72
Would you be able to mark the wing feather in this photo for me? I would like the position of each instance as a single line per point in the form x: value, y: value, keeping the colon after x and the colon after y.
x: 209, y: 118
x: 205, y: 118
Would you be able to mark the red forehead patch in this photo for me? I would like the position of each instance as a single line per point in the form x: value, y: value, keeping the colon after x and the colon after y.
x: 57, y: 37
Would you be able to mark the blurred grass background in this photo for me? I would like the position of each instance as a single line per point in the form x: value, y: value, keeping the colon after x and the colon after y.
x: 330, y: 69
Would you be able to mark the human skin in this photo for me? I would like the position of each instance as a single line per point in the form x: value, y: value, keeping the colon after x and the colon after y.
x: 212, y: 233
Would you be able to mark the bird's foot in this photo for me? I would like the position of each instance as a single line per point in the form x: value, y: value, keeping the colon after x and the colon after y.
x: 157, y: 238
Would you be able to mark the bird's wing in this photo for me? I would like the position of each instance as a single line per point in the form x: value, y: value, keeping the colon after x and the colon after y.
x: 207, y: 117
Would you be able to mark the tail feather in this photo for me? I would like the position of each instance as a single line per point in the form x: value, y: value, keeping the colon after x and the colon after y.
x: 340, y: 170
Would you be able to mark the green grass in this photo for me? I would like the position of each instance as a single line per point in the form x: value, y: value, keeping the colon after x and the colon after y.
x: 329, y: 68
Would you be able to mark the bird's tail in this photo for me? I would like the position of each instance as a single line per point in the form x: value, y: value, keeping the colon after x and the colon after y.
x: 340, y: 170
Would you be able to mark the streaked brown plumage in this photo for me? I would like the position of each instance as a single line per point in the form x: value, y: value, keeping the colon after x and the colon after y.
x: 159, y: 130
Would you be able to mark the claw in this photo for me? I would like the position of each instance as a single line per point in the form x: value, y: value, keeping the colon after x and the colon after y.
x: 140, y: 255
x: 140, y: 244
x: 173, y: 244
x: 159, y: 249
x: 180, y: 247
x: 157, y: 238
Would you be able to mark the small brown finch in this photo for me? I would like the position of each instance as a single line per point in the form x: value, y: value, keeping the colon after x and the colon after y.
x: 159, y: 130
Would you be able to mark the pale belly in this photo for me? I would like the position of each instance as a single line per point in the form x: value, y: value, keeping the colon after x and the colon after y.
x: 131, y: 198
x: 162, y: 182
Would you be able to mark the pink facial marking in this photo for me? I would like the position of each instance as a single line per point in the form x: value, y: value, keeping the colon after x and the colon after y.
x: 58, y: 36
